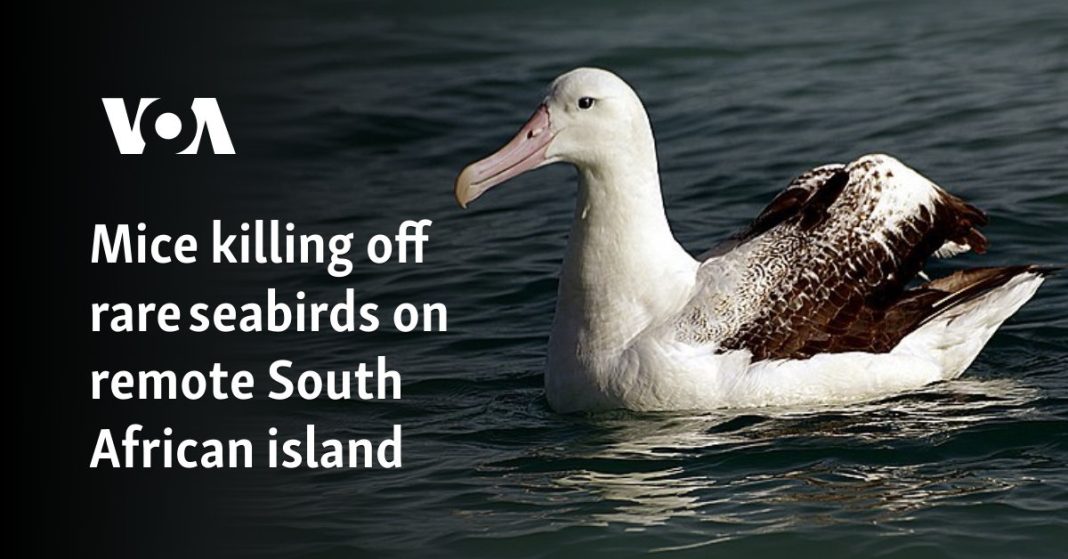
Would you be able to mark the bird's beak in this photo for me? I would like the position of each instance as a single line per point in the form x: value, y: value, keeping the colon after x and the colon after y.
x: 526, y: 151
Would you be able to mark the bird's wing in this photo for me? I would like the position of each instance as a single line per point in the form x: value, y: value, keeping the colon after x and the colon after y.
x: 825, y: 267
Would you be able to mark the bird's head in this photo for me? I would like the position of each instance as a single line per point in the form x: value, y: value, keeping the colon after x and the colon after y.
x: 589, y: 117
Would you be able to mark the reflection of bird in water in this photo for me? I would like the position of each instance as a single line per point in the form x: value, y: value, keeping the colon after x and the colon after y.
x: 640, y: 498
x: 878, y: 493
x: 646, y: 470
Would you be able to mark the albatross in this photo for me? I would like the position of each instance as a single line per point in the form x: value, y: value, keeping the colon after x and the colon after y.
x: 812, y: 304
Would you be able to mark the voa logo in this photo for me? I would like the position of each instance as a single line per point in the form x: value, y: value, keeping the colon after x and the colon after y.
x: 159, y: 126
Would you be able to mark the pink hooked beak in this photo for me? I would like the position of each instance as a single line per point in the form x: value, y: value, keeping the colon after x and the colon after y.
x: 526, y: 151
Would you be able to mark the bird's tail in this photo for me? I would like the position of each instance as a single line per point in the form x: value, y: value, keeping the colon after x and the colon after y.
x: 975, y: 304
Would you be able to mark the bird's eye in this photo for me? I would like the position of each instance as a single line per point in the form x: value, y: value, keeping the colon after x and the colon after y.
x: 585, y: 102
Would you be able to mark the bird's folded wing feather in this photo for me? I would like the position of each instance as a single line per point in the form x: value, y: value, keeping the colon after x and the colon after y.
x: 825, y: 267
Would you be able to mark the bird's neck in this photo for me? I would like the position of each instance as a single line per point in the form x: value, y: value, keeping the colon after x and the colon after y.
x: 623, y: 269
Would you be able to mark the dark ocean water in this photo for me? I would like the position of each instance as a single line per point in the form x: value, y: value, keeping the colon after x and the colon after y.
x: 364, y: 113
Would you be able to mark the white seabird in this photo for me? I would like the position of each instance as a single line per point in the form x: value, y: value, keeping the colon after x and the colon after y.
x: 810, y: 305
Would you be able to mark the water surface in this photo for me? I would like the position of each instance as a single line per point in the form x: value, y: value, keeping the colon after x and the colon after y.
x: 366, y: 112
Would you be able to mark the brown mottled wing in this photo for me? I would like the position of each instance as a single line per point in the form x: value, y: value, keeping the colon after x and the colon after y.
x: 824, y: 268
